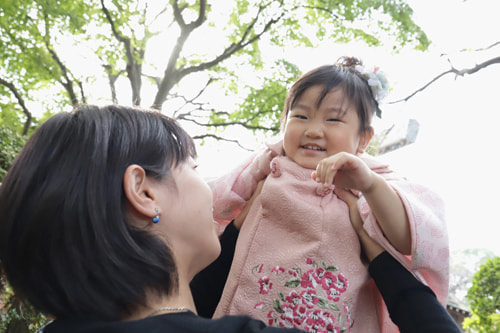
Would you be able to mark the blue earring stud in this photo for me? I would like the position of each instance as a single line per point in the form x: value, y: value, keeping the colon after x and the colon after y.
x: 156, y: 219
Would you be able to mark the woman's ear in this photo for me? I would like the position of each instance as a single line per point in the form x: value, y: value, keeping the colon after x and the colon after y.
x: 139, y: 191
x: 364, y: 139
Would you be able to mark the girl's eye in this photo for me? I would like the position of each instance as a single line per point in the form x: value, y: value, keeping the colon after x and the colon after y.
x: 333, y: 120
x: 300, y: 116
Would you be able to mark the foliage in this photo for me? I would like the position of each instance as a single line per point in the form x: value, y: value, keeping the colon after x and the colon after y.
x: 484, y: 299
x: 86, y: 51
x: 262, y: 106
x: 11, y: 142
x: 463, y: 264
x: 17, y: 317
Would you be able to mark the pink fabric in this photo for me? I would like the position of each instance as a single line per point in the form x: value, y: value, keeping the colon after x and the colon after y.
x: 297, y: 260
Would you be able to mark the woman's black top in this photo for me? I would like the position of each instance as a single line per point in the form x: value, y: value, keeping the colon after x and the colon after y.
x: 412, y: 305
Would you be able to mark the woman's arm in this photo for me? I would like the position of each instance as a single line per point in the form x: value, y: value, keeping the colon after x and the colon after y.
x: 412, y: 306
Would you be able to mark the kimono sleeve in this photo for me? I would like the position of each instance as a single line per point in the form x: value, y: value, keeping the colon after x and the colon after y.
x: 232, y: 190
x: 429, y: 259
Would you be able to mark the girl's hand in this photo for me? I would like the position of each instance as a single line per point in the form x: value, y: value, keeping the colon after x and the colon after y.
x: 344, y: 170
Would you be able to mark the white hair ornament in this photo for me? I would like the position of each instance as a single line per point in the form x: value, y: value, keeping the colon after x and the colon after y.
x: 377, y: 80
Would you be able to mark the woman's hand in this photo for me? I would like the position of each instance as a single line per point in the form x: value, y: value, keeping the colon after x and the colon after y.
x: 370, y: 247
x: 238, y: 221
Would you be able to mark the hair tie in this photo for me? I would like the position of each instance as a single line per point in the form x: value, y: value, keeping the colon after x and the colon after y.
x: 377, y: 81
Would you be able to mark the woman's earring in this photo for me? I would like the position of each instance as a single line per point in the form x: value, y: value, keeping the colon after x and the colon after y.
x: 156, y: 219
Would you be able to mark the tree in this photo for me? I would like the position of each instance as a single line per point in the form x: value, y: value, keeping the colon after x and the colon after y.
x: 463, y: 264
x: 61, y: 53
x: 484, y: 299
x: 457, y: 71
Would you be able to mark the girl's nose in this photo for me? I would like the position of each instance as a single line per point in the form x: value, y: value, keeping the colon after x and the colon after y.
x: 314, y: 131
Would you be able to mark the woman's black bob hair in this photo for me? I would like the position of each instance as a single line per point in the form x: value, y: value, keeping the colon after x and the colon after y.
x: 66, y: 241
x: 341, y: 75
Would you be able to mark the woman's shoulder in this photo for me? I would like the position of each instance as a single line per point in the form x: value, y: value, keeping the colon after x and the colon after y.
x: 167, y: 323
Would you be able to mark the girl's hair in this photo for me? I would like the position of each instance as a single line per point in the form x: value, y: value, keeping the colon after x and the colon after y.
x: 341, y: 75
x: 66, y: 241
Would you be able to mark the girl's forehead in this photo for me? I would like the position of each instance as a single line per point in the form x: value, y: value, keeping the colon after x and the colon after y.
x: 319, y: 97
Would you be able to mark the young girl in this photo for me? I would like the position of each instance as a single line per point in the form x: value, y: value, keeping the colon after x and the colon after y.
x: 311, y: 275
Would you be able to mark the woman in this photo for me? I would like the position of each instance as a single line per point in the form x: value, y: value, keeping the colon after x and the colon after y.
x: 104, y: 221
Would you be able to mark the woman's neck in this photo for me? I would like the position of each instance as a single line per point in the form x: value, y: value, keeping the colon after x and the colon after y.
x: 178, y: 301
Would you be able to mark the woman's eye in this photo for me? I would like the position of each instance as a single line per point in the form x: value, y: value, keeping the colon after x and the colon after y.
x: 333, y: 120
x: 300, y: 116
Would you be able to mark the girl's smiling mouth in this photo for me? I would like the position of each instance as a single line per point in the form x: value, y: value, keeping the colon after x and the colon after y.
x: 312, y: 147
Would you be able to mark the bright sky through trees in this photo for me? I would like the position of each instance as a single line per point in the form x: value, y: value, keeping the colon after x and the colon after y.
x: 456, y: 148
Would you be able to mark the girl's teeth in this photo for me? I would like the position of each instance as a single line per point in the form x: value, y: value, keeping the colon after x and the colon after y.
x: 313, y: 148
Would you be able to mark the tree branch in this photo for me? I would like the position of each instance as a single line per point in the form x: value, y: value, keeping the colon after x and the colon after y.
x: 219, y: 138
x: 21, y: 102
x: 171, y: 75
x: 453, y: 70
x: 174, y: 75
x: 134, y: 67
x: 234, y: 47
x: 68, y: 84
x: 245, y: 125
x: 485, y: 48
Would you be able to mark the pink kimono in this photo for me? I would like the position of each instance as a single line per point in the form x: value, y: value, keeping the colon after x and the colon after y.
x: 297, y: 261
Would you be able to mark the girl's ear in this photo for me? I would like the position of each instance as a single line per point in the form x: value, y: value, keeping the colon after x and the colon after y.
x: 364, y: 139
x: 139, y: 192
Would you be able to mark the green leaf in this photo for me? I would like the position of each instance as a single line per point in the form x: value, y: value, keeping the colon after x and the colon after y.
x: 292, y: 283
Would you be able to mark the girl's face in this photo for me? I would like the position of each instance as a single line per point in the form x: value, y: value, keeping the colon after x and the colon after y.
x: 188, y: 220
x: 313, y: 133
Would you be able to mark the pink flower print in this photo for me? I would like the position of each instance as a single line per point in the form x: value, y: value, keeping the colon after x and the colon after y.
x: 309, y: 261
x: 288, y: 313
x: 300, y: 315
x: 309, y: 298
x: 333, y: 294
x: 330, y: 328
x: 348, y: 316
x: 275, y: 170
x: 293, y: 272
x: 265, y: 285
x: 259, y: 306
x: 327, y: 191
x: 319, y: 274
x: 271, y: 319
x: 341, y: 283
x: 309, y: 280
x: 277, y: 270
x: 327, y: 280
x: 294, y: 298
x: 314, y: 320
x: 257, y: 269
x: 320, y: 321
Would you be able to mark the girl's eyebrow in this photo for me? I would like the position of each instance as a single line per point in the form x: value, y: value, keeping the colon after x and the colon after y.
x: 301, y: 106
x: 335, y: 109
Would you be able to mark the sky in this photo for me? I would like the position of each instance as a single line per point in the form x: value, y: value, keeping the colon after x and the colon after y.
x: 455, y: 153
